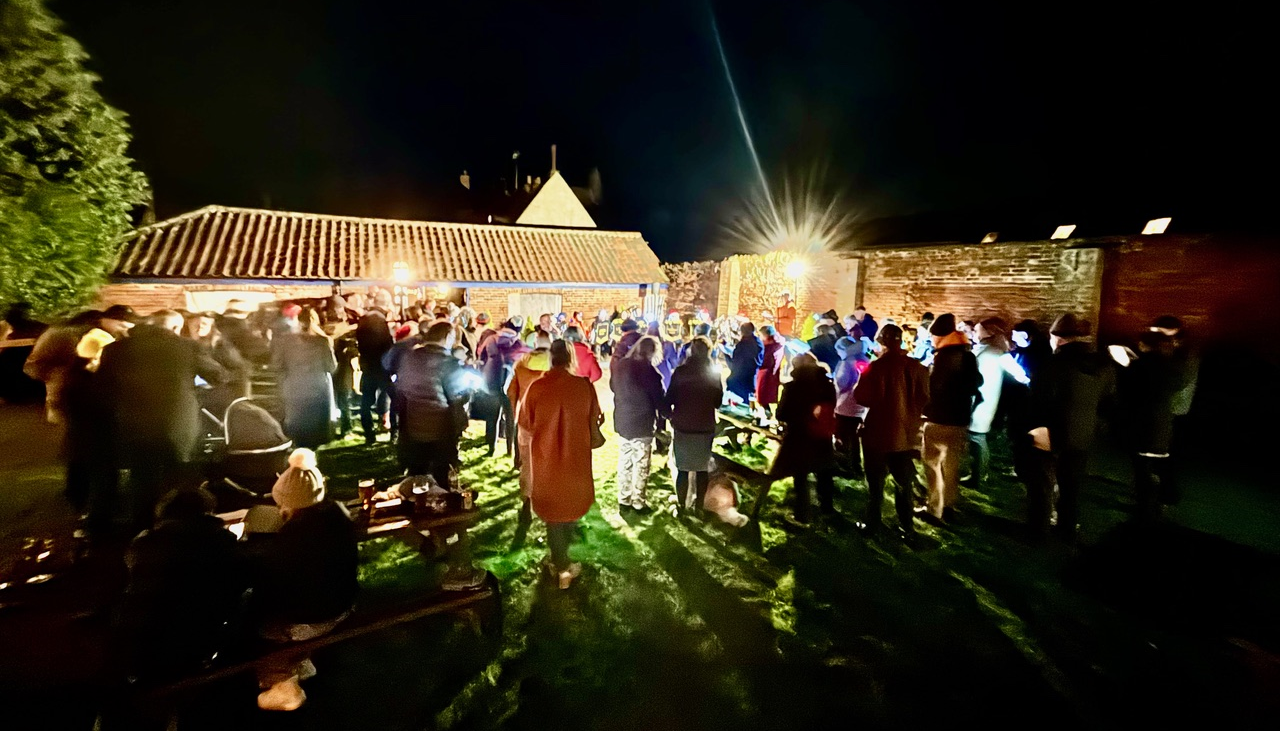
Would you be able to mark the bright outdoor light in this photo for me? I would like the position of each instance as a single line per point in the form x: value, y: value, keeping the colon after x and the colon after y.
x: 400, y: 270
x: 796, y: 269
x: 1064, y: 232
x: 1156, y: 225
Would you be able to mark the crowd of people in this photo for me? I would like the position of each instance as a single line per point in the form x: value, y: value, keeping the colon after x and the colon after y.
x: 844, y: 395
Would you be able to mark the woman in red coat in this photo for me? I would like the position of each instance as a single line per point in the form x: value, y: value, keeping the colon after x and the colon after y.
x: 769, y: 374
x: 586, y: 364
x: 558, y: 411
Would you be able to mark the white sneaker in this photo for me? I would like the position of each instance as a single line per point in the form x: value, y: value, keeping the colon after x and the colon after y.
x: 286, y: 695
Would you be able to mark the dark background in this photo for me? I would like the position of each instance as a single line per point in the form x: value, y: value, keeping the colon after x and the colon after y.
x: 1048, y: 112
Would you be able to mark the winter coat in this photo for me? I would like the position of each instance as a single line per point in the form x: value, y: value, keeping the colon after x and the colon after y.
x: 528, y: 369
x: 853, y: 360
x: 237, y: 332
x: 637, y: 396
x: 895, y: 390
x: 500, y: 354
x: 746, y: 359
x: 148, y: 380
x: 587, y: 365
x: 373, y: 338
x: 869, y: 327
x: 1149, y: 389
x: 623, y: 346
x: 307, y: 571
x: 693, y: 398
x: 769, y: 374
x: 431, y: 395
x: 807, y: 409
x: 186, y: 580
x: 306, y: 363
x: 991, y: 366
x: 1068, y: 394
x: 51, y: 360
x: 823, y: 347
x: 559, y: 409
x: 395, y: 354
x: 670, y: 359
x: 953, y: 383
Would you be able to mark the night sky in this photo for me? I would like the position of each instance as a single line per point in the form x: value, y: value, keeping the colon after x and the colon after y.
x: 374, y: 108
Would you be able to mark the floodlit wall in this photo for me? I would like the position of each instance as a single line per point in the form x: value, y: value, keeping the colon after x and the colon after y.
x: 693, y: 285
x: 1015, y: 280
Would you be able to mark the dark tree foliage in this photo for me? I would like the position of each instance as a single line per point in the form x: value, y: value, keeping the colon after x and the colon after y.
x: 66, y: 185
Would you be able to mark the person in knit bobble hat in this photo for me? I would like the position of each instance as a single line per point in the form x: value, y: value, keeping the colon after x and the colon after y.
x: 305, y: 576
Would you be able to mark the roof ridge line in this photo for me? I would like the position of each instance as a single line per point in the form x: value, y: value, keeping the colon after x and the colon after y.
x: 214, y: 208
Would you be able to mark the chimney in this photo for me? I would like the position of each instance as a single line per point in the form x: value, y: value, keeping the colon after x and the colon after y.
x: 553, y: 159
x: 465, y: 180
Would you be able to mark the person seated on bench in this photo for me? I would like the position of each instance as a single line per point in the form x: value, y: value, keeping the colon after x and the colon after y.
x: 304, y: 577
x: 186, y: 583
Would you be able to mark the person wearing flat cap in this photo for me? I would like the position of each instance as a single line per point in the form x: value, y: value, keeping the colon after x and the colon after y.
x: 1065, y: 402
x: 305, y: 576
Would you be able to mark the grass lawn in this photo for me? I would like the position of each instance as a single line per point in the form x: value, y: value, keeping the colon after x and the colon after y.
x: 677, y: 625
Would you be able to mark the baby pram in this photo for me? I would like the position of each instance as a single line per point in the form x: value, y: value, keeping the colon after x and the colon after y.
x: 254, y: 449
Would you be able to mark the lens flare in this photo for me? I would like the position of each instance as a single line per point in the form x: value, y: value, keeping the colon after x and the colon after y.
x: 802, y: 218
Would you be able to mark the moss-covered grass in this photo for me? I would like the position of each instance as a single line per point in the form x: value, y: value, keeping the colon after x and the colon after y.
x: 681, y: 625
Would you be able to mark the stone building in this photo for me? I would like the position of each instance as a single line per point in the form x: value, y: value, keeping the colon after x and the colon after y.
x: 201, y: 259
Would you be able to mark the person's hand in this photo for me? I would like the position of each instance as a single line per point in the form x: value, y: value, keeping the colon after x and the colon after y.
x: 1040, y: 438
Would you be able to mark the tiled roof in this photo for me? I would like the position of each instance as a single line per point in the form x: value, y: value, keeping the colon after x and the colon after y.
x: 220, y: 243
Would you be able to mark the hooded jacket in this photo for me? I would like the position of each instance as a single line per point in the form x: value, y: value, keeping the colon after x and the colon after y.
x: 853, y: 360
x: 431, y: 395
x: 637, y: 396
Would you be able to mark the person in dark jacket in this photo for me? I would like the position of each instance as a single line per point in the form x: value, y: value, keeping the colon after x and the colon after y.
x: 807, y: 411
x: 373, y: 338
x: 431, y: 394
x: 745, y: 359
x: 637, y: 397
x: 498, y: 363
x: 305, y: 362
x: 954, y: 381
x: 234, y: 326
x: 149, y: 382
x: 894, y: 390
x: 865, y: 322
x: 1148, y: 388
x: 1066, y: 400
x: 186, y: 582
x: 630, y: 335
x: 304, y: 576
x: 691, y: 403
x: 823, y: 347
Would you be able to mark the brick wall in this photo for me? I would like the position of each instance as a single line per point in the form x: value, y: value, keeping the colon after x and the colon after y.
x: 147, y: 298
x: 693, y: 285
x: 586, y: 300
x: 1222, y: 284
x: 751, y: 283
x: 1013, y: 280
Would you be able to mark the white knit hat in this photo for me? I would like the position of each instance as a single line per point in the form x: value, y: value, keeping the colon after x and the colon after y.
x: 301, y: 485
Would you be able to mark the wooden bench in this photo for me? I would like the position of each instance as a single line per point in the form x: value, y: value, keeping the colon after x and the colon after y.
x: 480, y: 607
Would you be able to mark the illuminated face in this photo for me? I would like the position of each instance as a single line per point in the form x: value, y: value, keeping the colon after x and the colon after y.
x: 544, y: 322
x: 1021, y: 339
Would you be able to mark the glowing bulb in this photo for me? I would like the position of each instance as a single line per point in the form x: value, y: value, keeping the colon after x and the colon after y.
x: 400, y: 271
x: 796, y: 269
